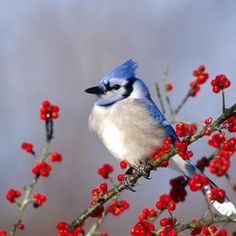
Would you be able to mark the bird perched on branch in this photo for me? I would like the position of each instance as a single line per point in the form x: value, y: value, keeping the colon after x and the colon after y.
x: 132, y: 127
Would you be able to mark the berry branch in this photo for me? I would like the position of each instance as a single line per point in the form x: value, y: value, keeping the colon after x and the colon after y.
x: 48, y: 112
x: 205, y: 222
x: 27, y: 198
x: 132, y: 179
x: 195, y: 86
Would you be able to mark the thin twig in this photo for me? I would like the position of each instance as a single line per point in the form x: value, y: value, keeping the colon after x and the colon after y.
x: 185, y: 99
x: 223, y: 100
x: 160, y: 98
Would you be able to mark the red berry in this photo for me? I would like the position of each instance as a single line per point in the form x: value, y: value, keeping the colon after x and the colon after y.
x: 20, y: 226
x: 3, y: 232
x: 103, y: 187
x: 39, y: 199
x: 28, y: 147
x: 201, y: 68
x: 41, y: 169
x: 105, y: 170
x: 169, y: 87
x: 12, y: 194
x: 123, y: 164
x: 120, y: 177
x: 55, y: 157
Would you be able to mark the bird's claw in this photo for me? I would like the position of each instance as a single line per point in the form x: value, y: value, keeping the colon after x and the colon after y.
x: 141, y: 170
x: 128, y: 185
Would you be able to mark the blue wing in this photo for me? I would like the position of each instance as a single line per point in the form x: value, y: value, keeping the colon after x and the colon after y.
x: 157, y: 115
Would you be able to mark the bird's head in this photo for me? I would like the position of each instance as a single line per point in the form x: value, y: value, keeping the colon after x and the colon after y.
x: 119, y: 84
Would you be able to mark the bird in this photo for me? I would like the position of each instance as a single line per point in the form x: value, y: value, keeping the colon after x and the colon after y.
x: 132, y: 127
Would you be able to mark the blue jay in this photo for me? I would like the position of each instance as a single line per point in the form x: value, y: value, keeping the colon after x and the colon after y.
x: 132, y: 127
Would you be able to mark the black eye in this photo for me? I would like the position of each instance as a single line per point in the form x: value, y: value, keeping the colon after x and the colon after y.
x: 116, y: 87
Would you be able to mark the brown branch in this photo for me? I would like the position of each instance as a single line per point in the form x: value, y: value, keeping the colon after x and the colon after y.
x: 148, y: 167
x: 207, y: 222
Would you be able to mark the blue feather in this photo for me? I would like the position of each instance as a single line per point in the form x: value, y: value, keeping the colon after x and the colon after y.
x: 125, y: 70
x: 157, y: 115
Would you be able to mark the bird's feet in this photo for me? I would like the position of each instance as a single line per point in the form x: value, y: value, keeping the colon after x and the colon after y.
x: 140, y: 170
x: 128, y: 184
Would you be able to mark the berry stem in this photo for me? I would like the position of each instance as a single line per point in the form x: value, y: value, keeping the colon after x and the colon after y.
x: 185, y: 99
x: 159, y: 96
x: 151, y: 166
x: 223, y: 100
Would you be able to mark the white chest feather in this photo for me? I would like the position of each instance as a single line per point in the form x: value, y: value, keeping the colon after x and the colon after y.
x: 127, y: 130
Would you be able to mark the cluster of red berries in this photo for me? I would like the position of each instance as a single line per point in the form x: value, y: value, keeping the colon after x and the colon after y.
x: 48, y: 111
x: 169, y: 87
x: 99, y: 190
x: 216, y: 140
x: 105, y: 170
x: 217, y: 194
x: 200, y: 74
x: 117, y: 207
x: 182, y: 149
x: 12, y: 194
x: 182, y: 129
x: 219, y: 166
x: 41, y: 169
x: 96, y: 193
x: 168, y: 223
x: 167, y: 143
x: 207, y: 130
x: 202, y: 164
x: 212, y: 230
x: 197, y: 182
x: 177, y: 191
x: 147, y: 213
x: 39, y: 199
x: 219, y: 83
x: 165, y: 202
x: 226, y: 148
x: 28, y: 147
x: 63, y: 230
x: 56, y: 157
x: 230, y: 124
x: 201, y: 77
x: 208, y: 231
x: 143, y: 228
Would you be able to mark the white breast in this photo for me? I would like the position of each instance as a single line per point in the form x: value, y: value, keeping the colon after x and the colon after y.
x: 127, y: 130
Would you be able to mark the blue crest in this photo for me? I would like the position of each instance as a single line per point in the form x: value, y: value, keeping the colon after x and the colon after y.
x: 125, y: 70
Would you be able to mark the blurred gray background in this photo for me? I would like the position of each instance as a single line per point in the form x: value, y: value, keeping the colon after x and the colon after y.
x: 55, y: 49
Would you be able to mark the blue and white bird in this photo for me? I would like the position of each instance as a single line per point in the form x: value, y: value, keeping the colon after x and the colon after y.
x: 132, y: 127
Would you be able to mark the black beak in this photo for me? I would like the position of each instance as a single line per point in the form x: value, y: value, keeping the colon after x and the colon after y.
x: 95, y: 90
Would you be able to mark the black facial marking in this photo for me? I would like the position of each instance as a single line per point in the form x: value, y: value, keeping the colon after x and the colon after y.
x: 129, y: 87
x: 107, y: 86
